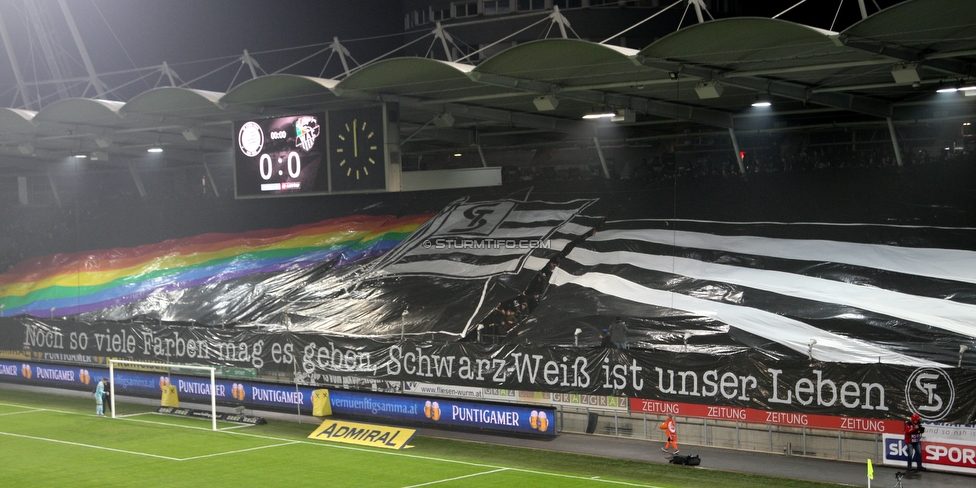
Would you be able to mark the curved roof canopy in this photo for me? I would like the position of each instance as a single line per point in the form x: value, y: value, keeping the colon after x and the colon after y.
x: 534, y: 94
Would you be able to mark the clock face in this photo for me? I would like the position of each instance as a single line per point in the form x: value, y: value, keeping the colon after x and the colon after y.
x: 357, y: 150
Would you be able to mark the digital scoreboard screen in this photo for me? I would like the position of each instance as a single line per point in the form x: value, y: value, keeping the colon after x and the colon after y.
x: 314, y: 153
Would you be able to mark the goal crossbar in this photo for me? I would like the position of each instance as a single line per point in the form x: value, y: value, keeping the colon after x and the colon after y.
x: 211, y: 369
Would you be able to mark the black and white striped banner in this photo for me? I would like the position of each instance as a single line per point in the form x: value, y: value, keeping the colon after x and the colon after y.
x: 843, y: 299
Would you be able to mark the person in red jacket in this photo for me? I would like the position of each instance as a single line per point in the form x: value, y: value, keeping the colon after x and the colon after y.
x: 913, y: 439
x: 671, y: 430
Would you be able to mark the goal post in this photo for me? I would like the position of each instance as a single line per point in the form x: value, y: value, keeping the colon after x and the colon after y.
x: 211, y: 369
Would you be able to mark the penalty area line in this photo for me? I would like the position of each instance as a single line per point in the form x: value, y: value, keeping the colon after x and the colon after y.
x: 237, y: 451
x: 388, y: 452
x: 78, y: 444
x: 458, y: 478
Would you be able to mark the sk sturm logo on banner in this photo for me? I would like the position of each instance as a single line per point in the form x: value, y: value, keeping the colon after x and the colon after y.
x: 930, y: 393
x: 478, y: 219
x: 484, y: 239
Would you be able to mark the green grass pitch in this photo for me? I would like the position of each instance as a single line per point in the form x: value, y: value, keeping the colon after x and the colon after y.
x: 53, y: 440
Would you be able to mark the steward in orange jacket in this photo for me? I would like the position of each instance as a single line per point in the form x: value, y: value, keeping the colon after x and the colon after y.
x: 671, y: 430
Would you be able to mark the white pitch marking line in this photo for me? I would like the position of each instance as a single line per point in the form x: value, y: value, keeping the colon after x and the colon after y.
x: 374, y: 451
x: 458, y: 478
x: 57, y: 441
x: 388, y: 452
x: 22, y: 411
x: 237, y: 451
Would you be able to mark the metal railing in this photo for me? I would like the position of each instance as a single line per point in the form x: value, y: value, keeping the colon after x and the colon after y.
x: 786, y: 440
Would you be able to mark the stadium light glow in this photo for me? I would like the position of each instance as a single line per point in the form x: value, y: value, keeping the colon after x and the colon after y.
x: 155, y: 150
x: 761, y: 103
x: 600, y: 115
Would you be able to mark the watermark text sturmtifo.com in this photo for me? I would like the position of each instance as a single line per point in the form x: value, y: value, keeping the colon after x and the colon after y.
x: 459, y: 243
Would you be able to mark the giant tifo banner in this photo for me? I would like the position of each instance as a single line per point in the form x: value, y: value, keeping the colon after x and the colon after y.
x: 744, y: 386
x: 64, y: 285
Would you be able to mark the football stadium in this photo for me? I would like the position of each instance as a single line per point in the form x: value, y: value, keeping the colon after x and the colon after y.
x: 488, y: 243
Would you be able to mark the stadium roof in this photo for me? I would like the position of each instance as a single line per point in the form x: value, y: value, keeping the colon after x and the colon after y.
x: 701, y: 78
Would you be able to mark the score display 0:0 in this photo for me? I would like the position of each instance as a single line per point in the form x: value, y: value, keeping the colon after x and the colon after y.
x: 266, y: 165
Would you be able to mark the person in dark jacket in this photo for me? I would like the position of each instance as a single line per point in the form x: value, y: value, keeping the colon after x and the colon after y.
x: 618, y: 333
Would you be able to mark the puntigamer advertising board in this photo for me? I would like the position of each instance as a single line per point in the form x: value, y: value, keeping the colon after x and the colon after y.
x: 534, y: 420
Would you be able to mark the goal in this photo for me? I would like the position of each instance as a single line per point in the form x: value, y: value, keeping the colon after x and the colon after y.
x: 122, y: 362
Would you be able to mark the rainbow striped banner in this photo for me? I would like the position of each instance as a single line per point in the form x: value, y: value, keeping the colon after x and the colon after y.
x: 90, y: 281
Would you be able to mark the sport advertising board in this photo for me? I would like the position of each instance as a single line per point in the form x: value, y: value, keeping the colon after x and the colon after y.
x: 950, y: 448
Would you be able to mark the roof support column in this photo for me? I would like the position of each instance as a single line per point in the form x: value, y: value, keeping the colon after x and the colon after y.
x: 481, y: 154
x: 54, y: 189
x: 441, y: 34
x: 738, y: 153
x: 251, y: 63
x: 894, y: 142
x: 603, y: 160
x: 558, y: 19
x: 92, y: 76
x: 213, y: 184
x: 138, y: 181
x: 21, y: 87
x: 342, y: 52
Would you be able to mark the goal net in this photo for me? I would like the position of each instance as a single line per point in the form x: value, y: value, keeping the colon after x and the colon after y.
x: 123, y: 364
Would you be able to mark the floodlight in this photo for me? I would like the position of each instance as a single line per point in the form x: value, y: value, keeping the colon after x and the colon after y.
x: 191, y: 135
x: 155, y: 149
x: 545, y: 103
x: 708, y: 89
x: 26, y: 149
x: 444, y: 120
x: 761, y: 103
x: 600, y: 115
x: 905, y: 74
x: 102, y: 142
x: 625, y: 115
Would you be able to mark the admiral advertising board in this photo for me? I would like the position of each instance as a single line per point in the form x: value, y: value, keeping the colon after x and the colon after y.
x: 312, y: 153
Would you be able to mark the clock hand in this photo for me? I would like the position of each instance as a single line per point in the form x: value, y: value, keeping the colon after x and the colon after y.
x: 355, y: 144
